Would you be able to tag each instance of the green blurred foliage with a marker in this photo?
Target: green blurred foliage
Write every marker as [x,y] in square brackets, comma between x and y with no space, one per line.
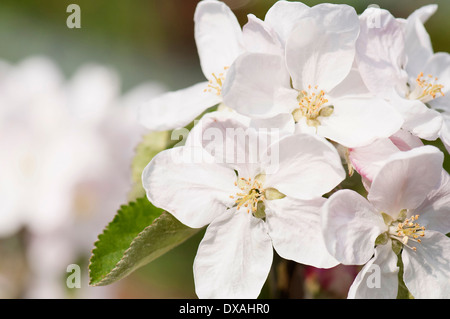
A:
[150,40]
[146,39]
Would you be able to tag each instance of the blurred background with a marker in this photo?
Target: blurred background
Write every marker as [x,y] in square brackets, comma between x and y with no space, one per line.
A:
[57,82]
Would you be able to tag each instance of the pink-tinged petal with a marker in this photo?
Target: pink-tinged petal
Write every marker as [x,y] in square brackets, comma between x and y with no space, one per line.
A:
[357,122]
[405,141]
[303,166]
[406,179]
[379,277]
[426,270]
[368,160]
[380,51]
[218,36]
[258,86]
[194,192]
[321,49]
[295,229]
[234,257]
[350,226]
[178,108]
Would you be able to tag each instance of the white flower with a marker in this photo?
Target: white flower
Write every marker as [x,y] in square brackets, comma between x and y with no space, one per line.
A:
[218,36]
[314,81]
[406,214]
[397,63]
[247,209]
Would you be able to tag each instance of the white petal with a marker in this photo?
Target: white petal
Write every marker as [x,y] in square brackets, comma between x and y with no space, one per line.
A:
[255,84]
[195,193]
[303,166]
[295,230]
[418,47]
[233,143]
[427,271]
[321,49]
[424,13]
[284,15]
[350,226]
[358,121]
[418,118]
[177,109]
[406,179]
[418,43]
[379,277]
[380,51]
[234,257]
[218,36]
[284,122]
[444,134]
[435,210]
[260,37]
[439,67]
[352,85]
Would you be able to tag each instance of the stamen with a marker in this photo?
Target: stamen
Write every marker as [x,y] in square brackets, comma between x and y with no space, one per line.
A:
[252,193]
[216,84]
[409,230]
[427,88]
[311,106]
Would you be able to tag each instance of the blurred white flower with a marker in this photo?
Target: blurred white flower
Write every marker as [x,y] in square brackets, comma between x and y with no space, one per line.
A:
[65,159]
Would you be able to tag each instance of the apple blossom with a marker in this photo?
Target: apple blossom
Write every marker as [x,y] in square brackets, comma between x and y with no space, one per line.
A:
[315,81]
[407,201]
[397,63]
[247,209]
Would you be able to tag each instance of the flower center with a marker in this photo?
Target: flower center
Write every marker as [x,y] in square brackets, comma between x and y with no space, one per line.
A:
[215,84]
[311,106]
[426,88]
[250,194]
[401,231]
[407,230]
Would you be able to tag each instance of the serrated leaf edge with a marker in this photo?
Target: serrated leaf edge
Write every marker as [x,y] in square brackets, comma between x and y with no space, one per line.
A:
[107,278]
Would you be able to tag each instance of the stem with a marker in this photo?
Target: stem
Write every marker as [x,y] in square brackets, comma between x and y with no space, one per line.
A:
[286,279]
[403,292]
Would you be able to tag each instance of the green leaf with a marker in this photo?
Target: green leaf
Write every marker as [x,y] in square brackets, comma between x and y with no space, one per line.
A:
[151,144]
[138,234]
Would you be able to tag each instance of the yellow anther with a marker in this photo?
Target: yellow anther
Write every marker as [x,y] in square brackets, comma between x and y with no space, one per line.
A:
[215,84]
[311,106]
[427,87]
[252,193]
